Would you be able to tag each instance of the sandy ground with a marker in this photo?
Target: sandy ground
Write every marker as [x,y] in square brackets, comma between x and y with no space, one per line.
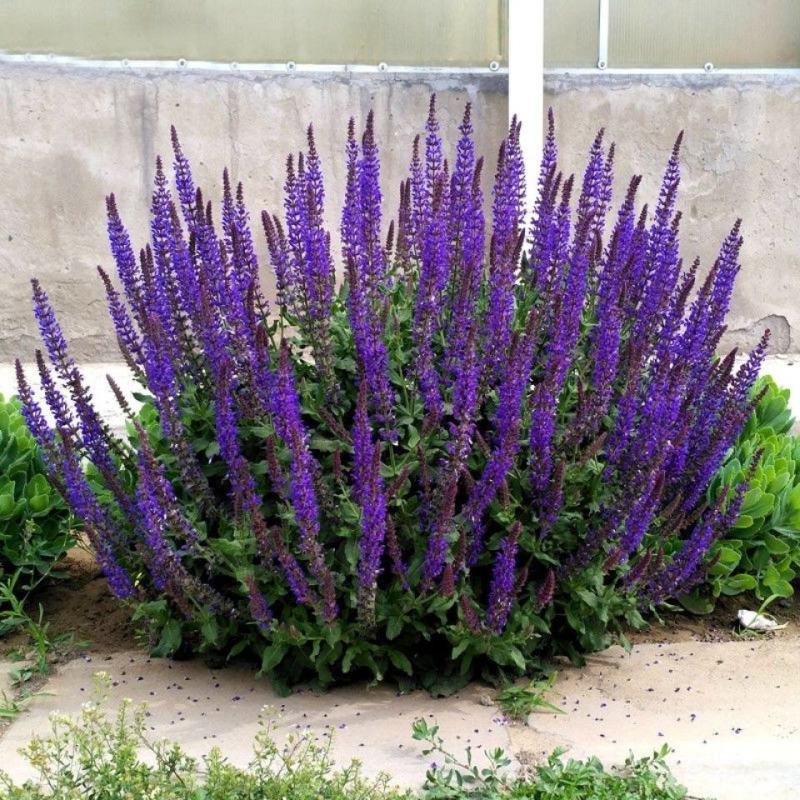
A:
[730,707]
[203,708]
[730,710]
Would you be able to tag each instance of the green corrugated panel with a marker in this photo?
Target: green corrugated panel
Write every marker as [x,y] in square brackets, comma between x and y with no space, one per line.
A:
[691,33]
[402,32]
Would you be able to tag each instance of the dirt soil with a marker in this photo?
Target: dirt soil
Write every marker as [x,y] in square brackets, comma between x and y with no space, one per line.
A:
[720,625]
[81,604]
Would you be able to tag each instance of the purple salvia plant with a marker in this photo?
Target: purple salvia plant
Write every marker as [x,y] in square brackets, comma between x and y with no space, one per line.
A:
[560,381]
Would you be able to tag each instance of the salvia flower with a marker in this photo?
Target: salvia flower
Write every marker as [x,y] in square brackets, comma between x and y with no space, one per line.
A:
[501,590]
[369,492]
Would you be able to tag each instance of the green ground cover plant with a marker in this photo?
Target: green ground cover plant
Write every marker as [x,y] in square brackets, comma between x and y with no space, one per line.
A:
[34,520]
[761,551]
[519,700]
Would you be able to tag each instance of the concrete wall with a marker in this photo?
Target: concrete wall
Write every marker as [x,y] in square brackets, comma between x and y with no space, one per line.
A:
[68,136]
[741,158]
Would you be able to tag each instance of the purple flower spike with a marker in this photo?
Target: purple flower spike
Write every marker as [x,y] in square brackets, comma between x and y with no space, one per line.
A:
[291,429]
[368,491]
[501,590]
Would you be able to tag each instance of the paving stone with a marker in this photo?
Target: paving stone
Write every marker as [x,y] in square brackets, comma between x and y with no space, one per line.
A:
[203,708]
[730,710]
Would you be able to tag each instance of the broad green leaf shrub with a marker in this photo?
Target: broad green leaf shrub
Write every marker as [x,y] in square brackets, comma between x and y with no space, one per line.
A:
[761,552]
[489,442]
[34,520]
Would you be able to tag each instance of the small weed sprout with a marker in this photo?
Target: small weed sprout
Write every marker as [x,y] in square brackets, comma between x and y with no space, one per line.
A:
[518,701]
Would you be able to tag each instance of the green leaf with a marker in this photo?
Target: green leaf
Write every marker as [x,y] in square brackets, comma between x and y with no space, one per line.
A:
[210,630]
[517,658]
[229,548]
[170,641]
[775,545]
[272,656]
[38,503]
[323,445]
[7,506]
[696,604]
[736,584]
[239,647]
[459,649]
[778,585]
[757,503]
[393,627]
[400,661]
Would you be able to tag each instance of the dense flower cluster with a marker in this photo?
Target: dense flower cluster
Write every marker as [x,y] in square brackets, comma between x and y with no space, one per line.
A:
[492,439]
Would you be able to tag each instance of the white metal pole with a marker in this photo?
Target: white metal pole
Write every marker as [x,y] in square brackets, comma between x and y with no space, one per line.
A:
[526,76]
[602,36]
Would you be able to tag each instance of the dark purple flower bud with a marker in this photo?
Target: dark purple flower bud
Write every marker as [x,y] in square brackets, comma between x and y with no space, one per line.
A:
[124,258]
[508,212]
[507,421]
[369,493]
[57,403]
[552,500]
[259,608]
[293,572]
[127,336]
[447,586]
[41,431]
[395,554]
[101,529]
[546,591]
[292,431]
[470,615]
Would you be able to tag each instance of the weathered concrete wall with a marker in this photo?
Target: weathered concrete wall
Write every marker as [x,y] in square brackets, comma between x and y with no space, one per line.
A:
[741,158]
[70,136]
